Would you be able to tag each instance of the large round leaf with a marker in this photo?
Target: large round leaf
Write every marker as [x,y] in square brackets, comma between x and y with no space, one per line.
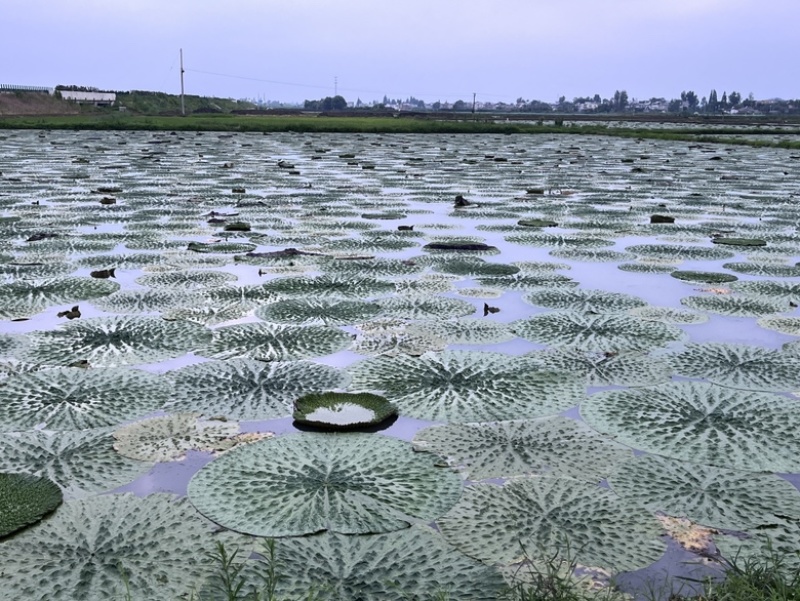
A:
[80,463]
[273,342]
[465,331]
[111,341]
[597,333]
[306,483]
[425,307]
[539,517]
[24,500]
[738,306]
[583,301]
[186,280]
[71,398]
[313,311]
[606,369]
[169,437]
[111,547]
[26,297]
[246,389]
[702,423]
[328,286]
[468,386]
[711,496]
[416,563]
[552,445]
[739,366]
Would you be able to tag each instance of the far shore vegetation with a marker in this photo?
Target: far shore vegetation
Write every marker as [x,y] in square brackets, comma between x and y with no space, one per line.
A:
[784,137]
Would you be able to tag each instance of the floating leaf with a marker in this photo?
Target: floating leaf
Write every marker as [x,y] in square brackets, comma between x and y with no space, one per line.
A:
[313,311]
[26,297]
[467,386]
[738,366]
[466,331]
[788,292]
[342,410]
[329,286]
[111,547]
[590,255]
[186,280]
[771,270]
[710,496]
[425,307]
[143,301]
[668,315]
[535,517]
[704,277]
[273,342]
[597,333]
[527,281]
[111,341]
[680,253]
[24,500]
[206,314]
[702,423]
[737,306]
[80,463]
[646,267]
[307,483]
[605,369]
[391,336]
[778,540]
[551,445]
[584,301]
[785,325]
[168,438]
[245,389]
[415,563]
[70,398]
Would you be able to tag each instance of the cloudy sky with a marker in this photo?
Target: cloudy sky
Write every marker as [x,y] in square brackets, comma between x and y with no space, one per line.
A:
[290,50]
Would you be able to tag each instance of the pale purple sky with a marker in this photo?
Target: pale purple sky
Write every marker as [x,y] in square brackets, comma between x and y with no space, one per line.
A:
[291,50]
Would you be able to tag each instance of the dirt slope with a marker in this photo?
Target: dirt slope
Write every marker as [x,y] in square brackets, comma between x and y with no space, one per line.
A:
[20,103]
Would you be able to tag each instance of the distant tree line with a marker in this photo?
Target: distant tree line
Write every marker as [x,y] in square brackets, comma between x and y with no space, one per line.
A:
[335,103]
[688,103]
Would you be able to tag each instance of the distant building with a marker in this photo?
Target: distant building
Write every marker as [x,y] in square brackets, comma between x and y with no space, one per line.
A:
[95,98]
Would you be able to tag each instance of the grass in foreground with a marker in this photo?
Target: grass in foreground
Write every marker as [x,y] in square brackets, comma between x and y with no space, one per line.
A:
[752,579]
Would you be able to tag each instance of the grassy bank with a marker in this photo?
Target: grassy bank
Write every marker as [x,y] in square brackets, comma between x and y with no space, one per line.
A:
[318,124]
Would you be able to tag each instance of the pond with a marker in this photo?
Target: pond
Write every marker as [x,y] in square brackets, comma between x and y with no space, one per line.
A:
[583,379]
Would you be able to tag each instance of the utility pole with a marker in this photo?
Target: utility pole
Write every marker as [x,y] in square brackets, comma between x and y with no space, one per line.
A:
[183,106]
[335,85]
[474,95]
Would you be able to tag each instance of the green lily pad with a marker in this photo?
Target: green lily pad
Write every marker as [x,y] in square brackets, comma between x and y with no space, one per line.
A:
[245,389]
[70,398]
[415,563]
[274,342]
[111,547]
[168,438]
[345,482]
[739,241]
[785,325]
[329,286]
[606,369]
[737,306]
[112,341]
[425,307]
[704,277]
[738,366]
[710,496]
[534,517]
[342,410]
[582,300]
[323,311]
[702,423]
[79,462]
[467,386]
[596,333]
[24,298]
[548,446]
[24,500]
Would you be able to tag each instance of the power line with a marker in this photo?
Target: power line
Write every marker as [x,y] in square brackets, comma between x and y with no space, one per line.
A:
[355,90]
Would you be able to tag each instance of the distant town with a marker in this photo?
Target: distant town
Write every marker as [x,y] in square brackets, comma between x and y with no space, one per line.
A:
[687,103]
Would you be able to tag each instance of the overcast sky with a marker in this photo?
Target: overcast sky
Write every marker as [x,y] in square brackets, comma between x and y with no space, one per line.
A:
[290,50]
